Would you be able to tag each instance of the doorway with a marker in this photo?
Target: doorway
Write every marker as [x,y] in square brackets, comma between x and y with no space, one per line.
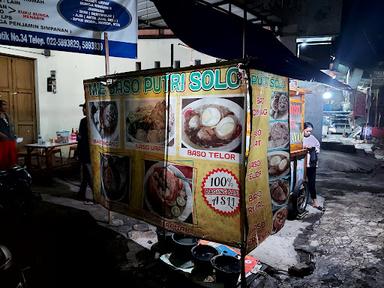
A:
[17,87]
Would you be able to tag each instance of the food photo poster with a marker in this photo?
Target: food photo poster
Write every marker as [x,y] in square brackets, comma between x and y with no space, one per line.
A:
[179,137]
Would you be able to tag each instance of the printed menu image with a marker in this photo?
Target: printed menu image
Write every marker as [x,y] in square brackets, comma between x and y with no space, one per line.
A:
[115,174]
[279,191]
[166,148]
[278,163]
[146,121]
[295,123]
[168,190]
[279,105]
[278,135]
[279,218]
[212,123]
[104,117]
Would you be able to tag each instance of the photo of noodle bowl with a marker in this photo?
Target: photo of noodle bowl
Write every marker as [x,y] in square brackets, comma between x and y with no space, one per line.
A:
[168,192]
[278,135]
[278,163]
[279,105]
[279,219]
[147,122]
[279,191]
[212,124]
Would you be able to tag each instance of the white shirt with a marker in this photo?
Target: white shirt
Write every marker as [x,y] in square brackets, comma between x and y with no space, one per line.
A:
[309,142]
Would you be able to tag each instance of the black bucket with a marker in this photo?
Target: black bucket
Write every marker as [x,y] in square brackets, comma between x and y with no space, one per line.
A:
[164,241]
[202,255]
[228,270]
[182,245]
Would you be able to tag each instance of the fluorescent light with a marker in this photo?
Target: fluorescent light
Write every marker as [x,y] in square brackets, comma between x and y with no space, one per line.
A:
[327,95]
[314,39]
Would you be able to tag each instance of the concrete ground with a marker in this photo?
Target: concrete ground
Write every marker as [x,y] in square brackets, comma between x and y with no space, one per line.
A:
[72,244]
[345,246]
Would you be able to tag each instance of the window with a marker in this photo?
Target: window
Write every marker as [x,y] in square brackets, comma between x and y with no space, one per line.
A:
[157,64]
[138,66]
[197,62]
[177,64]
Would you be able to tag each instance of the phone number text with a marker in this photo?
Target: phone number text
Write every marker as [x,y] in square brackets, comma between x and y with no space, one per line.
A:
[76,44]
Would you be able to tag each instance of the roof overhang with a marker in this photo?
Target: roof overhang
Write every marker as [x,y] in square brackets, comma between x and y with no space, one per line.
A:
[227,36]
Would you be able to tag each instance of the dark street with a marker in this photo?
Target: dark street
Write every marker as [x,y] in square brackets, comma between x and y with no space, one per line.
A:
[69,244]
[345,246]
[194,143]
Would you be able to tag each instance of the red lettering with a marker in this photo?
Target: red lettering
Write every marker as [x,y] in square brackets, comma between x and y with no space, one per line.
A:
[252,240]
[196,153]
[260,112]
[295,110]
[254,175]
[251,210]
[225,156]
[255,164]
[257,143]
[292,123]
[259,100]
[254,196]
[257,133]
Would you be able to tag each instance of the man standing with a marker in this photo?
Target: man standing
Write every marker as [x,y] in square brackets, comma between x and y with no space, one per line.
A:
[84,155]
[7,139]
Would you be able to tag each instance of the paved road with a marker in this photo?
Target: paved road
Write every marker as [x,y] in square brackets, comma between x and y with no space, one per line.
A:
[346,244]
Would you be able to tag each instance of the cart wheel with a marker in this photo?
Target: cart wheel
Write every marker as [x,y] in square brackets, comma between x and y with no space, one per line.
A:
[298,201]
[302,198]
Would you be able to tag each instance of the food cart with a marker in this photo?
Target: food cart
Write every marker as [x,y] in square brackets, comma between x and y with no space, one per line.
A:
[299,194]
[169,147]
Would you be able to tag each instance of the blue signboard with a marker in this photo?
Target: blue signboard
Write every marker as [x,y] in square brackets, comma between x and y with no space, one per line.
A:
[71,25]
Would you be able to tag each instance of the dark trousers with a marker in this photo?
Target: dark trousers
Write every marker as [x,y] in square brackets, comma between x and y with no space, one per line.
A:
[311,175]
[85,179]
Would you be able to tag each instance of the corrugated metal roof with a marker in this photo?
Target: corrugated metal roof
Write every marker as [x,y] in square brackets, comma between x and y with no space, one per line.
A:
[149,17]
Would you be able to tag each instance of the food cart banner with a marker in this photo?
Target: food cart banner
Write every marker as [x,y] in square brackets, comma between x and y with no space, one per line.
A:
[166,148]
[71,25]
[296,116]
[267,175]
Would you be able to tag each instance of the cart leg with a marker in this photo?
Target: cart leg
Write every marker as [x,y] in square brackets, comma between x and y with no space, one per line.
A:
[109,217]
[242,259]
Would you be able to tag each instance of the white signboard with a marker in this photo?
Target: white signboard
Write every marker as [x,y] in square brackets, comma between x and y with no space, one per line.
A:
[71,25]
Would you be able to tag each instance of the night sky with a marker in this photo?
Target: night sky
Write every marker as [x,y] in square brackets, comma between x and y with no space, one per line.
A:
[361,43]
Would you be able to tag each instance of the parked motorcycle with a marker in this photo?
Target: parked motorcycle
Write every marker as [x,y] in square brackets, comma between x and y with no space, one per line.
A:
[16,196]
[11,276]
[16,203]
